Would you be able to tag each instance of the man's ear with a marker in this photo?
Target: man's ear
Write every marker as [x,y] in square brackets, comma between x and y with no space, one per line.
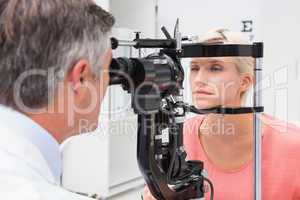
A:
[246,82]
[79,73]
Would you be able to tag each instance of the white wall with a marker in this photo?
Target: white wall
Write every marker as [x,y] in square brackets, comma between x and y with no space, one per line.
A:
[138,15]
[195,16]
[198,17]
[103,3]
[281,33]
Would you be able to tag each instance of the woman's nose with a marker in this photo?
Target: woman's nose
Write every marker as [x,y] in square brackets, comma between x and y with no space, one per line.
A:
[201,77]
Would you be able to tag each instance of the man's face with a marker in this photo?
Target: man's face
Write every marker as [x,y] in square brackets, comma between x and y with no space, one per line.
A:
[82,94]
[103,80]
[97,85]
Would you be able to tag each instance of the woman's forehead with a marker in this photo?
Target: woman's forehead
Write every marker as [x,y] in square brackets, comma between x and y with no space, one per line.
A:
[204,61]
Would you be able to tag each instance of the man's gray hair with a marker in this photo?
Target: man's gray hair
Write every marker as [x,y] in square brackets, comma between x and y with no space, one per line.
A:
[48,36]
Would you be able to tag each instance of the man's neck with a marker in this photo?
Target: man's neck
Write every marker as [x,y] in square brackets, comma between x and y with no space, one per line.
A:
[53,123]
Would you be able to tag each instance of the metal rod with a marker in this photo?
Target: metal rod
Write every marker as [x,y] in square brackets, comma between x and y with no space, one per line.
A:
[126,43]
[156,24]
[257,101]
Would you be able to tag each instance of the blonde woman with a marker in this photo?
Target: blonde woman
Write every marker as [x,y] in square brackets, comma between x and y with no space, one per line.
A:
[225,142]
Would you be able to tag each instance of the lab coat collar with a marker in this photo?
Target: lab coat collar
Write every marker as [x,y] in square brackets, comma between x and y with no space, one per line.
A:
[26,128]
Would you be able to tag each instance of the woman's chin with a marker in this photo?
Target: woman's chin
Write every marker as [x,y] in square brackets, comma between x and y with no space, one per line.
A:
[205,105]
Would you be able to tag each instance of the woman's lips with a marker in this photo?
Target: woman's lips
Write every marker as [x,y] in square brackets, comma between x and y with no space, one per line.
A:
[202,92]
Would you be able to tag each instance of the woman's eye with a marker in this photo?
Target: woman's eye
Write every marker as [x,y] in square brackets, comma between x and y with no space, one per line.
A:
[216,68]
[194,69]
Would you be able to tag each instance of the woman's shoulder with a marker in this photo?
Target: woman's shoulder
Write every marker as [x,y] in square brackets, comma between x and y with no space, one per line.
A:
[191,140]
[193,120]
[192,124]
[281,135]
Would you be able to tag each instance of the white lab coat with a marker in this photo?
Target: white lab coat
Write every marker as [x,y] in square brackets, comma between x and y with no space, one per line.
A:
[26,172]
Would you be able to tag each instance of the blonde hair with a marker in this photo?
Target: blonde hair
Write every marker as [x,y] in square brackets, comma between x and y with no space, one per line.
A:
[244,65]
